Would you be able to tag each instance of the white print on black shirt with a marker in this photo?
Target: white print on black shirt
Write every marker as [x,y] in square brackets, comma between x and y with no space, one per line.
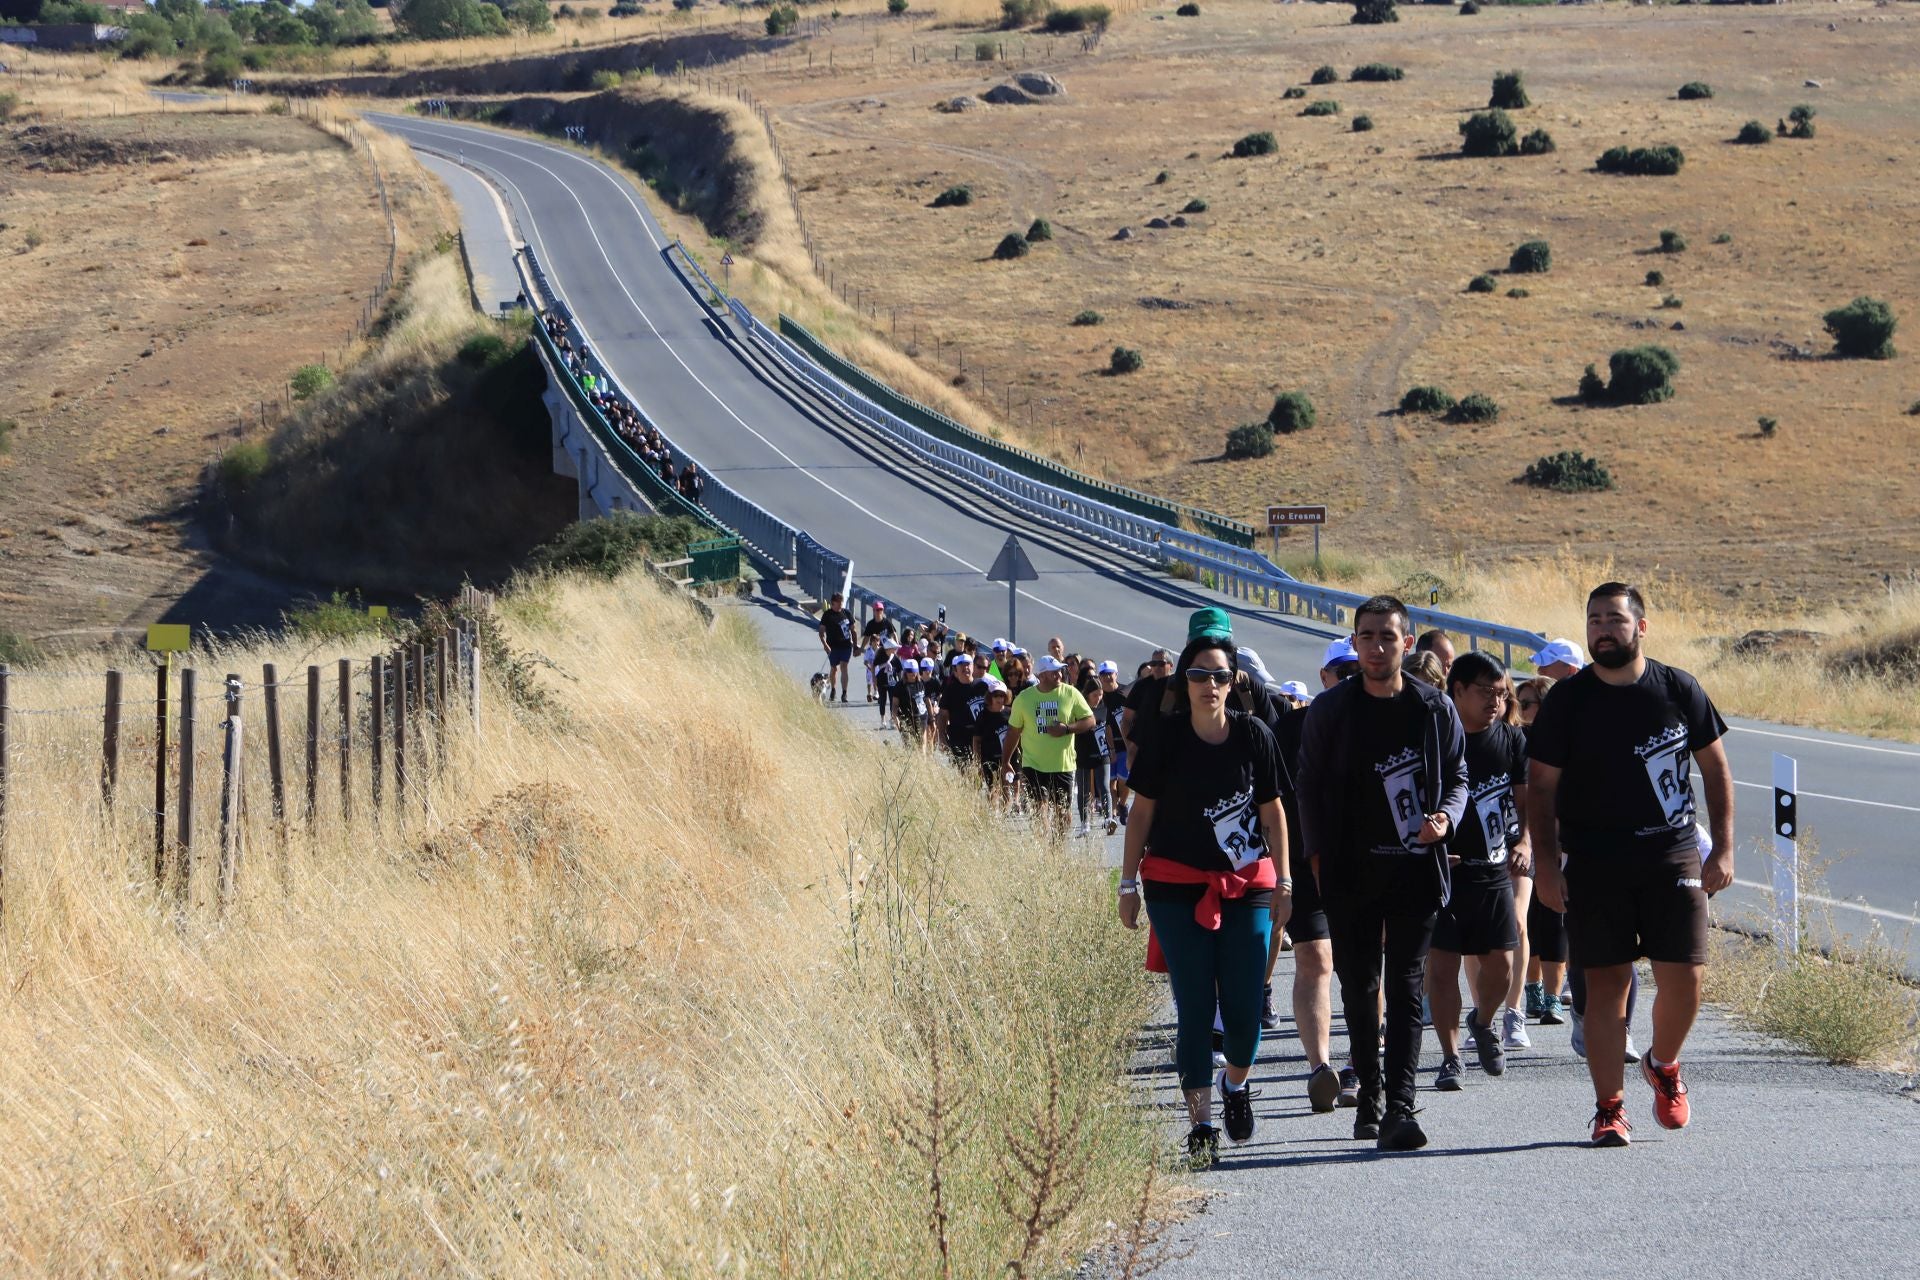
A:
[1398,777]
[1236,828]
[976,705]
[1493,809]
[1669,774]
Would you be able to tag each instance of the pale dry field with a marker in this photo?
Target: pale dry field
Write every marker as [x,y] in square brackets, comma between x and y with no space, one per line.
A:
[1338,268]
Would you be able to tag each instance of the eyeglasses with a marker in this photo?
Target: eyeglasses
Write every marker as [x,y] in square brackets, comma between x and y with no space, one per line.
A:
[1528,702]
[1200,675]
[1497,692]
[1159,662]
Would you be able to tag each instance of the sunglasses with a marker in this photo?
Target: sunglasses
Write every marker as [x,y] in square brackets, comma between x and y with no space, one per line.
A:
[1529,702]
[1201,675]
[1159,662]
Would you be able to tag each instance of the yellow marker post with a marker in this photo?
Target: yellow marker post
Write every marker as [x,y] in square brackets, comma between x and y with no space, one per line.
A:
[166,638]
[378,612]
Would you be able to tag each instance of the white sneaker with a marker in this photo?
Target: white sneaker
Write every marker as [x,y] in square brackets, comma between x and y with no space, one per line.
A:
[1633,1054]
[1513,1030]
[1082,831]
[1579,1035]
[1219,1060]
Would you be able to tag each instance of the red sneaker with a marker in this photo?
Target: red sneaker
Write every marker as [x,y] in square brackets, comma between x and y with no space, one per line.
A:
[1610,1127]
[1669,1094]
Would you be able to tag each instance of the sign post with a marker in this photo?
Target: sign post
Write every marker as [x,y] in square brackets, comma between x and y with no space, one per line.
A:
[726,270]
[1279,518]
[1786,854]
[1012,567]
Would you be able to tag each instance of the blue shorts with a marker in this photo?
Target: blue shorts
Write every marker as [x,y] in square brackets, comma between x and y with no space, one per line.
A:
[839,657]
[1120,766]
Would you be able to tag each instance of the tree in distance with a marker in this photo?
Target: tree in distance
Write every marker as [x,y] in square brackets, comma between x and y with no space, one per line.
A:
[1426,400]
[1641,375]
[1767,426]
[1324,75]
[1659,161]
[781,19]
[1040,230]
[1363,124]
[896,7]
[1481,284]
[1292,411]
[1568,471]
[1324,107]
[1015,14]
[1012,245]
[1294,91]
[1188,10]
[1262,143]
[1537,143]
[1672,241]
[953,197]
[1474,408]
[1195,205]
[1125,360]
[1694,91]
[1086,17]
[1531,258]
[1656,278]
[1377,72]
[1250,440]
[1863,329]
[310,380]
[1753,134]
[1373,13]
[1488,133]
[1163,177]
[1088,318]
[1509,91]
[1468,8]
[1802,117]
[1519,293]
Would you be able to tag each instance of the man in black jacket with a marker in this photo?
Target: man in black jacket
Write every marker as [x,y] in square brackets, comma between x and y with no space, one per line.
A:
[1383,784]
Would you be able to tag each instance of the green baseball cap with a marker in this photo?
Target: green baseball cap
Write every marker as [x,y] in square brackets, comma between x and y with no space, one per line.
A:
[1209,622]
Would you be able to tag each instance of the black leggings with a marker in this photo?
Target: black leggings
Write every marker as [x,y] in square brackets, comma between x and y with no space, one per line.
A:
[1546,933]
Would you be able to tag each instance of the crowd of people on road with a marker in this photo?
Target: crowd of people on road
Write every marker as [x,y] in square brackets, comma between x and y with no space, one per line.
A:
[624,416]
[1421,820]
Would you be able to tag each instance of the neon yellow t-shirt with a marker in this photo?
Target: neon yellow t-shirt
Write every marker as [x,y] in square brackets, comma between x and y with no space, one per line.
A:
[1033,711]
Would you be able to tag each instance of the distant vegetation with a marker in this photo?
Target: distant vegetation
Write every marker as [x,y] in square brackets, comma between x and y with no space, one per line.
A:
[1292,411]
[1324,75]
[953,196]
[1753,134]
[1012,245]
[1250,440]
[1531,258]
[1188,10]
[1195,205]
[1426,400]
[1640,375]
[1374,12]
[1863,329]
[1363,124]
[1324,107]
[1672,241]
[1568,471]
[1802,118]
[1088,318]
[1482,284]
[1641,161]
[1509,91]
[1125,360]
[1040,230]
[1377,71]
[1488,133]
[1256,144]
[1474,408]
[1694,90]
[1086,17]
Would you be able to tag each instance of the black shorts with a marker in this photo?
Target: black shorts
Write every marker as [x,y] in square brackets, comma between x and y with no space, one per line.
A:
[839,657]
[1047,788]
[1308,923]
[1479,918]
[1546,932]
[1624,904]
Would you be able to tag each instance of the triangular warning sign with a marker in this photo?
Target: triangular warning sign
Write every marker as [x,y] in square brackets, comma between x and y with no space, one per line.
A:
[1012,565]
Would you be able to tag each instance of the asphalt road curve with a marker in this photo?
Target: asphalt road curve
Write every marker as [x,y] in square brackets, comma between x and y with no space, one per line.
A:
[602,251]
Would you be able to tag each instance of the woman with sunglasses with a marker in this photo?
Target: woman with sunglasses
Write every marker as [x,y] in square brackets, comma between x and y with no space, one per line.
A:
[1206,786]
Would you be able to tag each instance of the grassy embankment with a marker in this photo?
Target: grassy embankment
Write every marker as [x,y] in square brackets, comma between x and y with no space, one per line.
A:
[657,987]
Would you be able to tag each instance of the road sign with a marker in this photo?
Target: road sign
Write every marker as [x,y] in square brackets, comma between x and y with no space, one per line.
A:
[169,637]
[726,269]
[1786,854]
[1012,567]
[1287,517]
[378,612]
[726,260]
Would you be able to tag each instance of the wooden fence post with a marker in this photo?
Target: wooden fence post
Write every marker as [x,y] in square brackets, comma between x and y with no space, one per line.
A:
[442,651]
[276,775]
[346,739]
[110,742]
[230,796]
[184,841]
[160,778]
[379,702]
[400,732]
[313,744]
[6,725]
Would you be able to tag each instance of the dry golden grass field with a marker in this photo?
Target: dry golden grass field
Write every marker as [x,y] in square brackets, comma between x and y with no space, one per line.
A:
[1339,266]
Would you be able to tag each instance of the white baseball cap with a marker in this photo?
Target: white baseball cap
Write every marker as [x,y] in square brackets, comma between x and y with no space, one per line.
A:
[1559,649]
[1000,646]
[1018,652]
[1294,689]
[1106,669]
[1340,650]
[1047,662]
[926,664]
[962,658]
[995,686]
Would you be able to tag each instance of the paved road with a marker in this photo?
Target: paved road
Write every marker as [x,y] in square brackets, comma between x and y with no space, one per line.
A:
[602,251]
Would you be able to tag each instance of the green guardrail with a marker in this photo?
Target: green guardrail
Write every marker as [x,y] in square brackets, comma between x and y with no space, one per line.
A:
[714,560]
[1031,465]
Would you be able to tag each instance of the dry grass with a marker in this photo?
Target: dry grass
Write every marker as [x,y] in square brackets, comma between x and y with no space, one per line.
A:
[651,989]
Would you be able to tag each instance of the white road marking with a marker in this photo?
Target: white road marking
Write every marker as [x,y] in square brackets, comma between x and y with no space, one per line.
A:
[1821,795]
[1882,913]
[466,140]
[1827,742]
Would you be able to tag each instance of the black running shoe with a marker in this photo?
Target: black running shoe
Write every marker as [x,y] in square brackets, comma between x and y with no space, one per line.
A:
[1203,1147]
[1400,1131]
[1236,1110]
[1486,1043]
[1366,1120]
[1349,1087]
[1323,1088]
[1269,1020]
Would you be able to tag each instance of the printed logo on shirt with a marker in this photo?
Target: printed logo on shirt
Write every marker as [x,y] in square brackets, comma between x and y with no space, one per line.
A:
[1669,774]
[1684,883]
[976,705]
[1236,828]
[1493,809]
[1399,777]
[1046,715]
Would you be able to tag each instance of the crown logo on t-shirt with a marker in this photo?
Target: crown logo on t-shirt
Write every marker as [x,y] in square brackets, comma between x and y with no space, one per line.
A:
[1397,761]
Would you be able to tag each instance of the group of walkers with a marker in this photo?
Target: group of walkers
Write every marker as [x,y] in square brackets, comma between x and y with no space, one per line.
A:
[1420,818]
[623,416]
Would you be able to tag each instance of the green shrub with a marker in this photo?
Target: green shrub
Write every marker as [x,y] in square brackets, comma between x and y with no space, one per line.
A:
[1324,75]
[1863,329]
[601,81]
[781,19]
[1723,237]
[342,617]
[1324,107]
[1593,387]
[1767,425]
[1378,72]
[896,7]
[1672,241]
[1641,375]
[1294,91]
[1660,161]
[1488,133]
[1086,17]
[1088,318]
[1040,230]
[1753,134]
[1913,410]
[1363,124]
[1161,178]
[484,350]
[1671,302]
[310,380]
[1188,10]
[953,197]
[1022,13]
[1537,143]
[1568,471]
[1426,400]
[1474,408]
[1292,411]
[1262,143]
[1012,245]
[1519,293]
[1468,8]
[1802,117]
[1656,278]
[1125,360]
[1531,258]
[1250,440]
[242,465]
[607,546]
[985,50]
[1509,91]
[1374,13]
[9,103]
[18,650]
[1694,90]
[1481,284]
[7,427]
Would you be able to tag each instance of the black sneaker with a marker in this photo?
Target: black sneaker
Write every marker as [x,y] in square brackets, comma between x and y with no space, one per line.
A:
[1236,1110]
[1366,1120]
[1450,1078]
[1203,1147]
[1269,1020]
[1486,1043]
[1349,1087]
[1400,1131]
[1323,1088]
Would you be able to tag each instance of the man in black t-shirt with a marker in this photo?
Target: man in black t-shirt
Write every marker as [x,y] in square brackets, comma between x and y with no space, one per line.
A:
[836,637]
[1613,750]
[962,699]
[1479,918]
[1383,787]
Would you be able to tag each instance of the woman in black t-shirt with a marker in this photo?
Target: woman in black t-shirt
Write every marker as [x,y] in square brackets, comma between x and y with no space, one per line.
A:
[1207,788]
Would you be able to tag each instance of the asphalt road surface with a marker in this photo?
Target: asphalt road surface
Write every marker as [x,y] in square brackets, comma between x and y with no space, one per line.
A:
[603,253]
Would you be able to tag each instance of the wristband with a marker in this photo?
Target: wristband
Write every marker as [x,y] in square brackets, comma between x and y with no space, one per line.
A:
[1128,887]
[1284,882]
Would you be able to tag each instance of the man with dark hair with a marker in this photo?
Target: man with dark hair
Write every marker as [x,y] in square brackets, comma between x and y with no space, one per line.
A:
[1612,754]
[1479,918]
[836,637]
[1436,643]
[1383,785]
[963,697]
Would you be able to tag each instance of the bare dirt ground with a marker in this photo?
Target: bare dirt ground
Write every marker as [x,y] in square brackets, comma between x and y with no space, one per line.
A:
[1338,267]
[166,273]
